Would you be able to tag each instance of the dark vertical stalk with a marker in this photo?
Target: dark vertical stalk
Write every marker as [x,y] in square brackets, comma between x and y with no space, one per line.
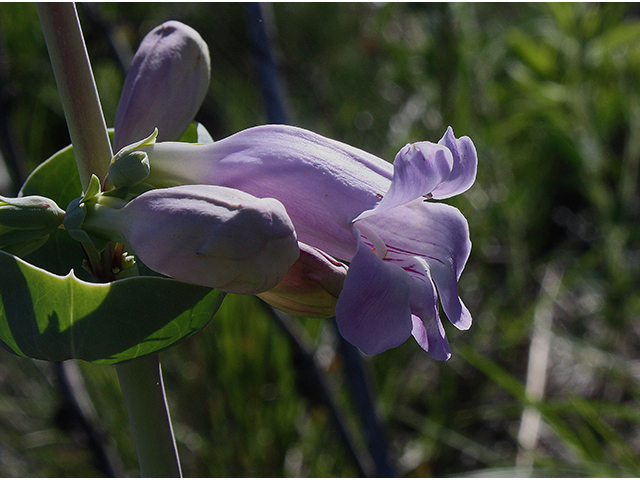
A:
[77,412]
[362,397]
[359,388]
[313,386]
[265,66]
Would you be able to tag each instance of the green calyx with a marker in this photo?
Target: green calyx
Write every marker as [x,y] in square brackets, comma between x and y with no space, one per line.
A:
[27,222]
[93,218]
[130,167]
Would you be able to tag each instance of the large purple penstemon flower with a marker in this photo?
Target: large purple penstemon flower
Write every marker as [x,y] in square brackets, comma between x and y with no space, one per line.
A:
[164,88]
[404,249]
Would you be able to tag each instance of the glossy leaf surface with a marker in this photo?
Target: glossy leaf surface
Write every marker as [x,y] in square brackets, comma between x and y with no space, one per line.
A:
[50,310]
[55,318]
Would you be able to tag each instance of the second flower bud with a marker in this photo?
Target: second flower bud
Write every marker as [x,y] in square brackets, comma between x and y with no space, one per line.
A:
[207,235]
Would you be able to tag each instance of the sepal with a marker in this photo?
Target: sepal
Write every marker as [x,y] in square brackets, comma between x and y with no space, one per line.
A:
[81,209]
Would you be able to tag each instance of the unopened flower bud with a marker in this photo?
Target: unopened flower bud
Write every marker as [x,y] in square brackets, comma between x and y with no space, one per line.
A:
[130,166]
[311,287]
[207,235]
[165,85]
[27,222]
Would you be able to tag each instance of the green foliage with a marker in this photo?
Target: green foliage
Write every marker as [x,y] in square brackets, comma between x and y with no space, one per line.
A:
[57,178]
[54,318]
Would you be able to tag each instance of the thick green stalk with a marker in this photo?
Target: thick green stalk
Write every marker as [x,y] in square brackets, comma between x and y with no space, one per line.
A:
[144,397]
[140,379]
[77,89]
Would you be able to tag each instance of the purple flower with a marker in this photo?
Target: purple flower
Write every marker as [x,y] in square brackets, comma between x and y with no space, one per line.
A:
[404,249]
[165,85]
[203,234]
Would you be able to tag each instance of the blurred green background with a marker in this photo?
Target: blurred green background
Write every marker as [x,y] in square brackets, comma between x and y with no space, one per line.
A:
[546,382]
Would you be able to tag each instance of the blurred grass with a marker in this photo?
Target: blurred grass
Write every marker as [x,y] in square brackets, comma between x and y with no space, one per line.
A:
[549,93]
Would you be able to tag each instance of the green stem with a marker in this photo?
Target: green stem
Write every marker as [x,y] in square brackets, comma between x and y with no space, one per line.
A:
[77,88]
[144,397]
[140,379]
[105,222]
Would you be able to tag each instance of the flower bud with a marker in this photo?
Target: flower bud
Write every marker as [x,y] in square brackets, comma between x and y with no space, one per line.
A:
[27,222]
[165,85]
[212,236]
[130,166]
[311,287]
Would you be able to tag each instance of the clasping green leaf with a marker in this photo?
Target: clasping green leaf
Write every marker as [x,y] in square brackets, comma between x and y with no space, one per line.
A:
[52,317]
